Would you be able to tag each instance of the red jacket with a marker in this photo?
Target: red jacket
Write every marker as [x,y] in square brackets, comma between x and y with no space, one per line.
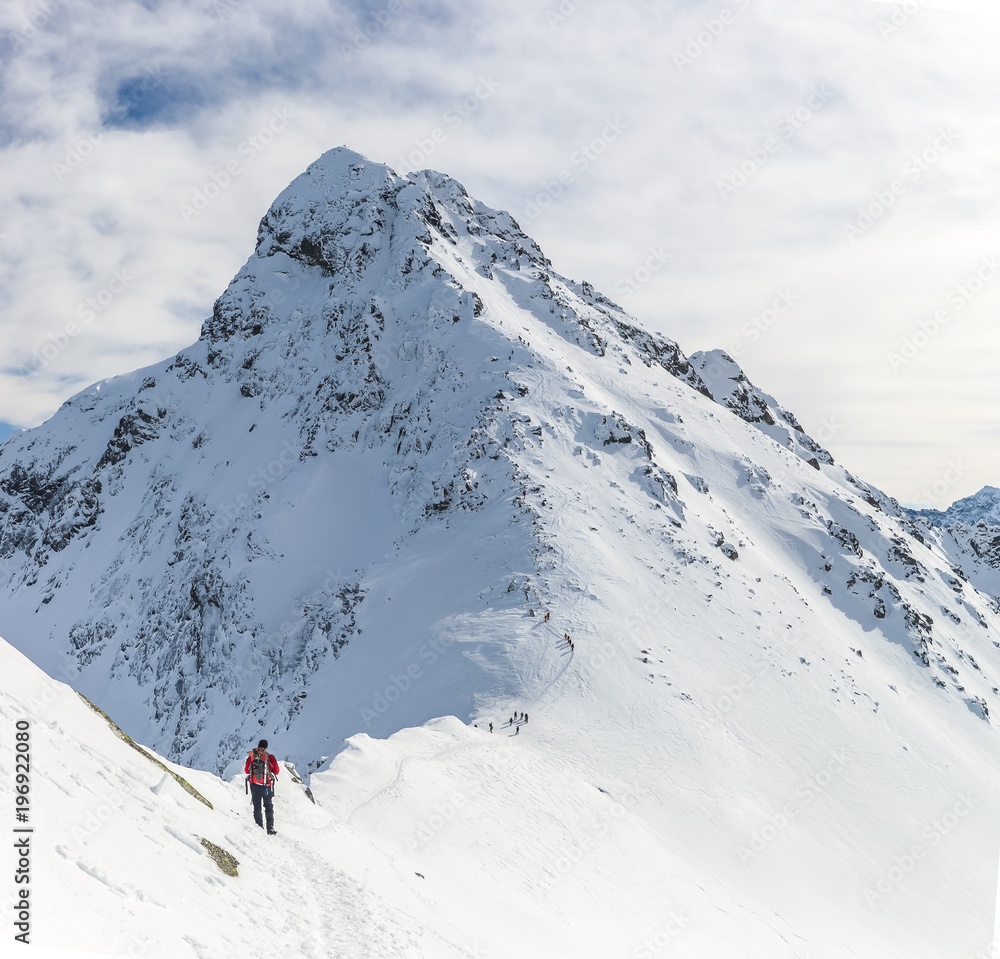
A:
[272,765]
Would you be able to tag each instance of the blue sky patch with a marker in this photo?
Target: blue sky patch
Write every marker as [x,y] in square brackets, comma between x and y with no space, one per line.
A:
[152,99]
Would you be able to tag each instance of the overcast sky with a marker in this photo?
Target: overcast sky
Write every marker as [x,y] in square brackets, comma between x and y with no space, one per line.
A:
[812,186]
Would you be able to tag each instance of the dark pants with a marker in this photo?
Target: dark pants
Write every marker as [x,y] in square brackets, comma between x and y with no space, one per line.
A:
[262,793]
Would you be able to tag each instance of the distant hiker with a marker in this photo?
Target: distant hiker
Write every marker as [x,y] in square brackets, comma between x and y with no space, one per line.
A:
[525,717]
[517,730]
[261,768]
[491,727]
[531,612]
[546,617]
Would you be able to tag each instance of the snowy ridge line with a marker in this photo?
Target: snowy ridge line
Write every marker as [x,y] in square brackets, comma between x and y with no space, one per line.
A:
[183,783]
[399,431]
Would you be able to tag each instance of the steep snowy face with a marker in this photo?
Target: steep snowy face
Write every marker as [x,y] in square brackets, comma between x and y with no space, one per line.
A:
[728,385]
[190,528]
[399,431]
[403,460]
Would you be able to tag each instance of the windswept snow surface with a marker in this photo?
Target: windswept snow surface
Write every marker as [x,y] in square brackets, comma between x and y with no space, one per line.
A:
[399,436]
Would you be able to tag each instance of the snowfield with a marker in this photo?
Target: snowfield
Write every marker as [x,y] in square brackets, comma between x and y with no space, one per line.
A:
[450,841]
[339,520]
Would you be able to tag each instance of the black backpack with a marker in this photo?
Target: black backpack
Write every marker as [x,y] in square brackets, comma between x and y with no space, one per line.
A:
[258,765]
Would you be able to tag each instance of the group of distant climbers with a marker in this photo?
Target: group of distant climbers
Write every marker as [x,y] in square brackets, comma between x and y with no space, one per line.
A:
[261,767]
[516,720]
[565,636]
[519,718]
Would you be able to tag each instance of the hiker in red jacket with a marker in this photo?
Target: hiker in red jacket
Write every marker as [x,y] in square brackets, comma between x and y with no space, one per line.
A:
[261,768]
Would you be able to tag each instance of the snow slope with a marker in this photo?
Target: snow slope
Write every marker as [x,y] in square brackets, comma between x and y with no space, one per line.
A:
[428,844]
[449,841]
[400,440]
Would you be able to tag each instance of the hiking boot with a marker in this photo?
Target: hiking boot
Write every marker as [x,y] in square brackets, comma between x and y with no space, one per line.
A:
[272,832]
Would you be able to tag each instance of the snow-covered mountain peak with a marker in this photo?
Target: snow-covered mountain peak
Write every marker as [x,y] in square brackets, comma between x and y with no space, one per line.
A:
[409,471]
[980,508]
[396,377]
[969,530]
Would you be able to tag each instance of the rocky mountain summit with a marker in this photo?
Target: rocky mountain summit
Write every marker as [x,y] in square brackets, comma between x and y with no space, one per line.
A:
[405,463]
[371,466]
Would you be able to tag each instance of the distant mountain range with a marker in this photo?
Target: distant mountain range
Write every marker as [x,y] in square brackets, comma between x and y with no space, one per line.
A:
[982,507]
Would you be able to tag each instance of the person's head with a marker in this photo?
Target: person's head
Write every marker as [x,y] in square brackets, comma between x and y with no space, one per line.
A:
[262,744]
